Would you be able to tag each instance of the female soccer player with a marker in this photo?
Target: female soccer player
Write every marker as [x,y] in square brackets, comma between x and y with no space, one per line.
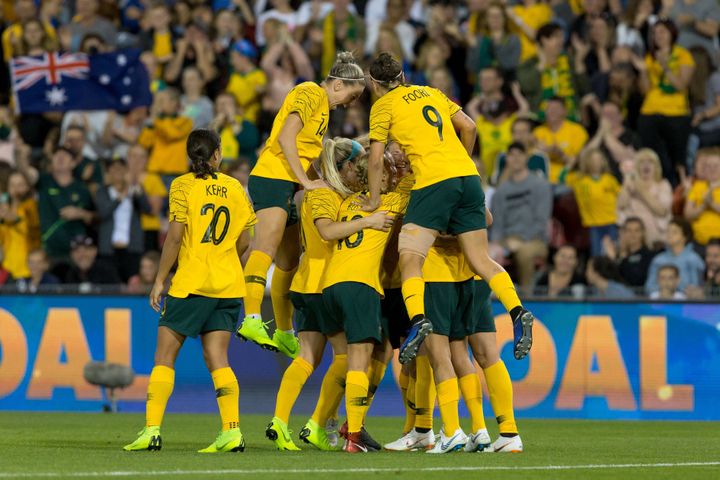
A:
[295,142]
[320,230]
[210,214]
[447,196]
[351,295]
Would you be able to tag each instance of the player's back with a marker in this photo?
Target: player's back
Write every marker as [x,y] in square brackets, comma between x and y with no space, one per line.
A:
[358,257]
[215,211]
[419,119]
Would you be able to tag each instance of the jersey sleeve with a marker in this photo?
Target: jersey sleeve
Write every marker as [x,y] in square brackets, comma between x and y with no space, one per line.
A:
[406,184]
[380,119]
[178,201]
[247,204]
[307,100]
[395,202]
[323,204]
[452,106]
[696,194]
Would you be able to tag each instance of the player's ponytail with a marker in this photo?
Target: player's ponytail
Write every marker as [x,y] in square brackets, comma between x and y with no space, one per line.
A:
[335,153]
[201,146]
[346,69]
[386,71]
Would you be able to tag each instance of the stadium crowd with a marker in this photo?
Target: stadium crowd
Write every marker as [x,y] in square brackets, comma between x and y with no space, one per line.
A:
[598,128]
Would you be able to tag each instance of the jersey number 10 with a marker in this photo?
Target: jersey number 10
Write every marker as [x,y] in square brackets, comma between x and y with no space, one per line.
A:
[211,232]
[346,241]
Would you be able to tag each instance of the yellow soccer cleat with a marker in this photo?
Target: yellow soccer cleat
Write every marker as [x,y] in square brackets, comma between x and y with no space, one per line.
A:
[254,330]
[278,432]
[287,343]
[148,439]
[316,436]
[226,441]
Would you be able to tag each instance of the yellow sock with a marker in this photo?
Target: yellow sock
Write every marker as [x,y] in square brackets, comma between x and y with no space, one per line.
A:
[413,292]
[356,393]
[472,393]
[282,306]
[331,391]
[160,387]
[227,392]
[255,279]
[376,373]
[425,393]
[501,396]
[503,288]
[292,383]
[448,397]
[410,410]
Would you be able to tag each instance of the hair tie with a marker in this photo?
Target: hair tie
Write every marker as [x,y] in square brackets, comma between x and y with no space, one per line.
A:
[356,148]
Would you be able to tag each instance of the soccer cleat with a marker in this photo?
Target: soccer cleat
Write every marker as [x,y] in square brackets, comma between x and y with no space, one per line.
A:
[419,330]
[331,428]
[478,441]
[522,331]
[318,437]
[506,445]
[355,444]
[255,330]
[278,432]
[226,441]
[287,343]
[412,441]
[367,440]
[148,439]
[445,444]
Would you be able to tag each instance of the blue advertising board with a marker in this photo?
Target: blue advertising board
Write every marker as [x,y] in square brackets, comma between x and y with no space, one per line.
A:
[589,360]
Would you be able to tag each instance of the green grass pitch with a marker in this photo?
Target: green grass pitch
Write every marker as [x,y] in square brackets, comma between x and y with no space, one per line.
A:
[63,445]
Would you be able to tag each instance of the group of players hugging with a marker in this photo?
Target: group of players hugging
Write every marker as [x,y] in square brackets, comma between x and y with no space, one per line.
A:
[379,243]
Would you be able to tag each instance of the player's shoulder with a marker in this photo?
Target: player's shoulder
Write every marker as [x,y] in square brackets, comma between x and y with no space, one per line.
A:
[323,195]
[309,88]
[183,182]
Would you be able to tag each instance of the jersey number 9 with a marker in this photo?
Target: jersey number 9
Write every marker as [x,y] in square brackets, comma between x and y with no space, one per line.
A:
[346,240]
[435,122]
[211,232]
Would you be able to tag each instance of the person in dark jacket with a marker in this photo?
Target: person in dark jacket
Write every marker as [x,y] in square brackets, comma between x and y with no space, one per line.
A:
[86,267]
[119,206]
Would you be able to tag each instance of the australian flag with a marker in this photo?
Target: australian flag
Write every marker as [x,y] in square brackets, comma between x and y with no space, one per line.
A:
[75,81]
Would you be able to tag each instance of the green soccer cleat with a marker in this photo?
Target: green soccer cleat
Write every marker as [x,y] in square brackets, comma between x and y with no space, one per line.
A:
[316,436]
[255,330]
[278,432]
[287,343]
[226,441]
[148,439]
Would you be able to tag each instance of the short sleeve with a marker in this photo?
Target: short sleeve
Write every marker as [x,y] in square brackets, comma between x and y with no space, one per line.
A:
[380,120]
[395,202]
[452,106]
[307,101]
[178,202]
[323,204]
[406,184]
[684,58]
[252,218]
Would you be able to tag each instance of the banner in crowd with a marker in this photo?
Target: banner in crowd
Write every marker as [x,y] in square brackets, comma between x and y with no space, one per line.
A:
[76,81]
[589,360]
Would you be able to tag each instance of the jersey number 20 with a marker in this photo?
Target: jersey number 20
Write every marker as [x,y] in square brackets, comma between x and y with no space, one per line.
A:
[211,232]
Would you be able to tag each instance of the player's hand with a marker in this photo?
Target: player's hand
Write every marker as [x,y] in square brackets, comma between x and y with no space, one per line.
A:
[380,221]
[314,185]
[156,296]
[368,204]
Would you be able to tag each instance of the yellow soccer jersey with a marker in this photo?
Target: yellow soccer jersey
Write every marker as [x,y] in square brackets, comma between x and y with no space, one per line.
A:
[215,212]
[596,198]
[310,102]
[446,264]
[419,119]
[358,258]
[316,204]
[247,89]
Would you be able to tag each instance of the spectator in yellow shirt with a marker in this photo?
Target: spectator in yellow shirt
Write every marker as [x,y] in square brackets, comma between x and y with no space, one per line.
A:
[13,36]
[247,82]
[561,139]
[19,225]
[165,136]
[527,18]
[703,201]
[664,123]
[596,191]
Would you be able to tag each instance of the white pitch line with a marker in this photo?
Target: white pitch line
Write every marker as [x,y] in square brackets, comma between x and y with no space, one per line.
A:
[264,471]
